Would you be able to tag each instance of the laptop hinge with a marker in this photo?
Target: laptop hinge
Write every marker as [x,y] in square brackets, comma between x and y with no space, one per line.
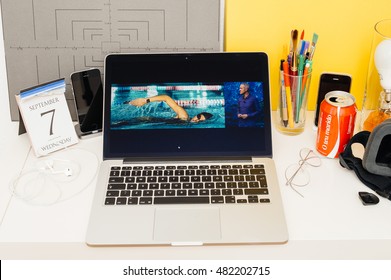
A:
[186,159]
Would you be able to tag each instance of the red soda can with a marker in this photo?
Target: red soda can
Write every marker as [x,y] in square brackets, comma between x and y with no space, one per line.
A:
[337,116]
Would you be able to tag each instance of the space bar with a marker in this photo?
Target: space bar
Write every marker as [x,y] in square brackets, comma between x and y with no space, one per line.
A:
[182,200]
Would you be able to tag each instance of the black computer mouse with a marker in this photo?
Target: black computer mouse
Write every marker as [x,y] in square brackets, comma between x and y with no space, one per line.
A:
[368,198]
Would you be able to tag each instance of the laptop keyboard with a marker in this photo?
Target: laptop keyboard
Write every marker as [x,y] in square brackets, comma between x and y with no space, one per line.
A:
[187,184]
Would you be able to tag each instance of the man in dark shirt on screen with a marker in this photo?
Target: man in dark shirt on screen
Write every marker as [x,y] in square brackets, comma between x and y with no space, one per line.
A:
[248,107]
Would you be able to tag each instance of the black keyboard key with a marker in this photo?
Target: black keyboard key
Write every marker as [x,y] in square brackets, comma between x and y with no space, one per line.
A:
[174,179]
[217,199]
[182,200]
[159,192]
[116,168]
[141,179]
[182,192]
[112,193]
[125,173]
[220,185]
[125,193]
[142,186]
[198,185]
[226,192]
[147,193]
[132,186]
[215,192]
[116,180]
[193,192]
[217,178]
[152,179]
[255,191]
[121,201]
[184,179]
[132,200]
[264,200]
[145,200]
[241,201]
[110,201]
[206,178]
[257,171]
[170,192]
[230,199]
[204,192]
[153,186]
[116,187]
[136,193]
[195,179]
[130,179]
[253,185]
[237,191]
[114,173]
[162,179]
[211,172]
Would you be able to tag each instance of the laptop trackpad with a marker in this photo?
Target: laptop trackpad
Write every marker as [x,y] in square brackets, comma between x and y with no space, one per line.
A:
[187,225]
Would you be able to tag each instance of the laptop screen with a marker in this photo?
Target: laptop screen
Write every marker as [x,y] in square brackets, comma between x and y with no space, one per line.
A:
[199,104]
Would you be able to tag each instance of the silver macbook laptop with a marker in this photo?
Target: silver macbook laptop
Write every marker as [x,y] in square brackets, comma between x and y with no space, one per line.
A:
[187,152]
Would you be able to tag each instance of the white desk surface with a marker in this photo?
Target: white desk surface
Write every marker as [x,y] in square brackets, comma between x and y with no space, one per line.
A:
[330,222]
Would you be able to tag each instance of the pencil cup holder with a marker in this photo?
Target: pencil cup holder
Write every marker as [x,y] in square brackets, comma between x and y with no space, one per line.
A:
[292,103]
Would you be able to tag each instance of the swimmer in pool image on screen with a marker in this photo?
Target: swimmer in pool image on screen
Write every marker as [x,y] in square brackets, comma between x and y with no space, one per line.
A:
[167,106]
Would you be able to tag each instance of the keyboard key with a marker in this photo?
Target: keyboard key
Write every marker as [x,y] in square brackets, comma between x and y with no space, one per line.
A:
[147,193]
[112,193]
[159,192]
[110,201]
[217,199]
[132,200]
[230,199]
[181,200]
[145,200]
[116,187]
[125,193]
[193,192]
[204,192]
[181,192]
[257,171]
[116,180]
[215,192]
[121,201]
[255,191]
[170,192]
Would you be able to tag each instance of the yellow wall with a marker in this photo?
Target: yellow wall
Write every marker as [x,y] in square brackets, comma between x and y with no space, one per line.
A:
[345,29]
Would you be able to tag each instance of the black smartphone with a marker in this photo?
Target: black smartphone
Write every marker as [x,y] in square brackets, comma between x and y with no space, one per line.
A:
[88,94]
[329,82]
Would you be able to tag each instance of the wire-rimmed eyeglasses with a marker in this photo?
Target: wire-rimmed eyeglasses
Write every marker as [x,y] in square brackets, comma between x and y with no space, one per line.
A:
[296,174]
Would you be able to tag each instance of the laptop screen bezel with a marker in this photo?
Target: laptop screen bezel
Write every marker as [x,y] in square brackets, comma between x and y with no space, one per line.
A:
[208,142]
